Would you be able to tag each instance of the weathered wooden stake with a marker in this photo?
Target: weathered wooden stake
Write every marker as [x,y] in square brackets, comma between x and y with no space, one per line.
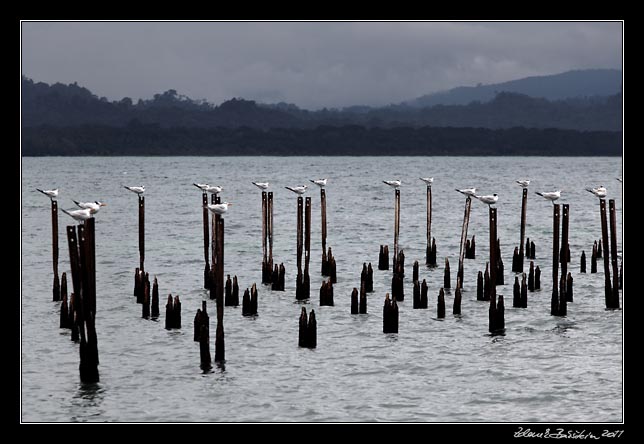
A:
[613,254]
[533,254]
[354,301]
[390,315]
[599,245]
[466,222]
[440,306]
[446,276]
[487,283]
[299,293]
[206,241]
[141,231]
[582,266]
[303,331]
[569,282]
[54,244]
[416,292]
[265,269]
[362,307]
[228,292]
[64,312]
[430,251]
[563,297]
[415,272]
[456,309]
[554,300]
[312,334]
[323,231]
[235,295]
[593,259]
[537,278]
[531,283]
[524,293]
[396,223]
[369,281]
[479,287]
[516,293]
[326,293]
[145,307]
[269,229]
[220,344]
[524,206]
[608,291]
[204,347]
[423,295]
[383,258]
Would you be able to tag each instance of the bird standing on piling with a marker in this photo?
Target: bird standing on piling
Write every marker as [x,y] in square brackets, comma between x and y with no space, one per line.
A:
[488,199]
[138,190]
[209,188]
[392,183]
[427,180]
[52,194]
[551,195]
[299,190]
[79,215]
[599,191]
[523,182]
[467,191]
[93,207]
[320,182]
[261,185]
[220,208]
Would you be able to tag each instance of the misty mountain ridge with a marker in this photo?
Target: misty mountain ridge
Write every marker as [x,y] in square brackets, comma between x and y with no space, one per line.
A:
[569,84]
[73,105]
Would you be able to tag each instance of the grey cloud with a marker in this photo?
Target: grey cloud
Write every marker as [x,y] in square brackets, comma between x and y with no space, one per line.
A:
[310,64]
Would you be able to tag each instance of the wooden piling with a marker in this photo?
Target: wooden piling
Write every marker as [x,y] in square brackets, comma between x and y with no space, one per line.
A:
[473,248]
[326,293]
[323,230]
[141,231]
[524,293]
[73,322]
[396,222]
[64,312]
[269,232]
[527,249]
[85,306]
[479,287]
[582,262]
[468,247]
[307,246]
[354,301]
[515,261]
[531,280]
[206,241]
[613,254]
[416,293]
[74,262]
[446,276]
[220,344]
[466,222]
[145,307]
[524,206]
[63,286]
[537,278]
[312,331]
[516,300]
[423,295]
[228,292]
[487,283]
[565,252]
[600,250]
[593,259]
[299,293]
[362,307]
[440,306]
[390,316]
[621,271]
[607,281]
[554,300]
[265,269]
[430,252]
[275,286]
[533,254]
[205,358]
[456,309]
[331,266]
[235,294]
[54,249]
[397,287]
[137,283]
[303,330]
[246,303]
[282,274]
[415,272]
[383,258]
[369,281]
[569,282]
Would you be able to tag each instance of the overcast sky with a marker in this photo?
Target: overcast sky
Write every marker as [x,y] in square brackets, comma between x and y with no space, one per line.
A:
[313,64]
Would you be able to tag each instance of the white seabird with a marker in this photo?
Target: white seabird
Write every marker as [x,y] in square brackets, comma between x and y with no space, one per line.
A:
[427,180]
[79,215]
[320,182]
[392,183]
[467,191]
[524,183]
[138,190]
[261,185]
[299,190]
[219,208]
[52,194]
[550,195]
[488,199]
[92,206]
[599,191]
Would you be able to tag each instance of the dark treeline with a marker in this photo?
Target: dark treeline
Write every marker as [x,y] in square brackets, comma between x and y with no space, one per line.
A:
[138,139]
[73,105]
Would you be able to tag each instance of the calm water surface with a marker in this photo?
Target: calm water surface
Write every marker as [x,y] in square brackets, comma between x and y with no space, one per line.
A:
[544,369]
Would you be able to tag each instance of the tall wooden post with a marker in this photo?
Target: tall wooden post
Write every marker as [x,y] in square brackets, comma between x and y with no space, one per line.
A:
[396,224]
[524,205]
[563,258]
[324,270]
[554,301]
[206,241]
[264,236]
[613,254]
[54,245]
[141,231]
[466,222]
[430,254]
[607,283]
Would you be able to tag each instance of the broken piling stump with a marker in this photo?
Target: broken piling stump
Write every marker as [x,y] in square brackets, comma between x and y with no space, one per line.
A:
[354,301]
[440,306]
[390,316]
